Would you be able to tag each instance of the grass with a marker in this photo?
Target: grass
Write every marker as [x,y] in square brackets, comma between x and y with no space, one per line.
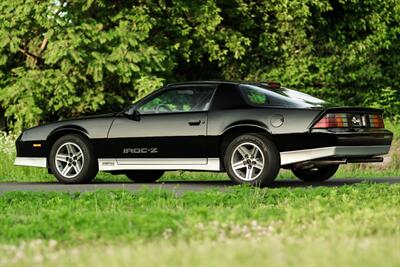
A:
[352,225]
[355,225]
[269,251]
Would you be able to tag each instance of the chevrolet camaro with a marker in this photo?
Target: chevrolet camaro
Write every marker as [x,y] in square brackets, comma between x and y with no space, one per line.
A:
[249,130]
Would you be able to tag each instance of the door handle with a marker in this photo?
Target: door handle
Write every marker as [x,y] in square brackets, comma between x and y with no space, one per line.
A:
[194,123]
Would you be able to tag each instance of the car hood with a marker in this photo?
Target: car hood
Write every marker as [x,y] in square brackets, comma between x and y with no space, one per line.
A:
[95,126]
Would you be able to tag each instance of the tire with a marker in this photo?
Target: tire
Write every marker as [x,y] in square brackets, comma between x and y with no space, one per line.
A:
[319,174]
[259,169]
[81,169]
[144,176]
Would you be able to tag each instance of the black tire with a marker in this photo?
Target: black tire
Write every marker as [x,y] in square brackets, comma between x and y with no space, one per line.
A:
[318,174]
[144,176]
[89,166]
[263,174]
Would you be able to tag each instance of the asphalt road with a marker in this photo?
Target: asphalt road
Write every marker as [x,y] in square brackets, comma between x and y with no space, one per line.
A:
[178,187]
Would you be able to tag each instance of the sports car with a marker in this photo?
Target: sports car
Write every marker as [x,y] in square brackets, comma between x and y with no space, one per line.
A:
[248,129]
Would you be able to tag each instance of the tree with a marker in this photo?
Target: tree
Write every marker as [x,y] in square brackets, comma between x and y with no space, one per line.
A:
[68,58]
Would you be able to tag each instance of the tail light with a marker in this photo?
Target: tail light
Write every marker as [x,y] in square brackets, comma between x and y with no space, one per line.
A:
[347,120]
[375,121]
[335,120]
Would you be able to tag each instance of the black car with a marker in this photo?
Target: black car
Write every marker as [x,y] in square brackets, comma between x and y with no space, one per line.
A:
[249,130]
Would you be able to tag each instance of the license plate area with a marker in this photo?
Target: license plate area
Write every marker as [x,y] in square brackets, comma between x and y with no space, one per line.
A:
[357,120]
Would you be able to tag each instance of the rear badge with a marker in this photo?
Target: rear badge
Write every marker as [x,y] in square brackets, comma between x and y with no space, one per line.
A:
[358,121]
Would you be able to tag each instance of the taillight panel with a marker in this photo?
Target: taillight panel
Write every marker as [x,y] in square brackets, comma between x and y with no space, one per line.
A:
[349,120]
[375,121]
[332,120]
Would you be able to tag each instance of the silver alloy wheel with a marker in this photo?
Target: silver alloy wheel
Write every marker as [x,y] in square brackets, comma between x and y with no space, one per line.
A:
[247,161]
[69,160]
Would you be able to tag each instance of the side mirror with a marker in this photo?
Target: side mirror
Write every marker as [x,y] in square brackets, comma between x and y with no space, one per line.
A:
[132,114]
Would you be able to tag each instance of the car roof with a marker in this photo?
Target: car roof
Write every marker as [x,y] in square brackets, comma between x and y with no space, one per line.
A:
[195,82]
[216,82]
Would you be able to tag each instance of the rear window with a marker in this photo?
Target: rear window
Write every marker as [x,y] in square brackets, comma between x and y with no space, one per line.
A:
[262,96]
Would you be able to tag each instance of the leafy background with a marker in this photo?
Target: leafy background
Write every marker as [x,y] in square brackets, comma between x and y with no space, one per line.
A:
[60,59]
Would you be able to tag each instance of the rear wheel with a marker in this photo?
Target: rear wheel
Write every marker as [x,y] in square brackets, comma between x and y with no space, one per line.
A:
[144,176]
[252,159]
[317,174]
[72,160]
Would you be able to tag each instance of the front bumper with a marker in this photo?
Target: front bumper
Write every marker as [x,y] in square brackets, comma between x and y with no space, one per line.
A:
[290,157]
[31,161]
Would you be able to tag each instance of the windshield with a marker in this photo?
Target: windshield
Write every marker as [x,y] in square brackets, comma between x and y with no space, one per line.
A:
[261,95]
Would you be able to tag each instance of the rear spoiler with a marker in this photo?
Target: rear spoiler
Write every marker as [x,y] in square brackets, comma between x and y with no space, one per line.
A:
[353,110]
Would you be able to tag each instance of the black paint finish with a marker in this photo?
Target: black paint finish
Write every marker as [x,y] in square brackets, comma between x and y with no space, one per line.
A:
[200,134]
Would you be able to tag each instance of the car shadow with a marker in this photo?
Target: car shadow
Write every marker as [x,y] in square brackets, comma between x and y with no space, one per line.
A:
[280,183]
[298,183]
[226,183]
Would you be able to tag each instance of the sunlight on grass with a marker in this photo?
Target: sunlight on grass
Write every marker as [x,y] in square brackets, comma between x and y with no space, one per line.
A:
[349,225]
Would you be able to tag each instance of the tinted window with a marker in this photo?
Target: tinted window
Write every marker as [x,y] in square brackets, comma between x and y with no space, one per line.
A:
[260,95]
[186,99]
[228,96]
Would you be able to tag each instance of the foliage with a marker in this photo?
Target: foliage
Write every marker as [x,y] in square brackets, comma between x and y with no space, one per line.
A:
[63,59]
[233,226]
[387,99]
[67,58]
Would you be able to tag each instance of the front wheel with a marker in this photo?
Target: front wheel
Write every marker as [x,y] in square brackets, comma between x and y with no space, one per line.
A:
[318,174]
[252,159]
[72,160]
[145,176]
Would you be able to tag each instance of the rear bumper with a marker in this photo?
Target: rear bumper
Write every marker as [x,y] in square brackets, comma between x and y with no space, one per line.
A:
[290,157]
[321,138]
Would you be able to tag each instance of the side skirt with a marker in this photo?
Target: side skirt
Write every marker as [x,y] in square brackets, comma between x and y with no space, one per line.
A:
[200,164]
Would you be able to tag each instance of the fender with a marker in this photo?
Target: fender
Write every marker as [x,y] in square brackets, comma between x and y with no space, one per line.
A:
[68,128]
[247,123]
[62,130]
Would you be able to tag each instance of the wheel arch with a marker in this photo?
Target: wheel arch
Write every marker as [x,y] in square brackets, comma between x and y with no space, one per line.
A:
[237,129]
[62,131]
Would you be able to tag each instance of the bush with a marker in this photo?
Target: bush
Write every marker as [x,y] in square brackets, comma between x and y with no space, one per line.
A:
[60,59]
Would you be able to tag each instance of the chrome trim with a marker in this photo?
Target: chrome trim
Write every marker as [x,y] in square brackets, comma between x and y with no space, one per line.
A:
[31,161]
[200,164]
[290,157]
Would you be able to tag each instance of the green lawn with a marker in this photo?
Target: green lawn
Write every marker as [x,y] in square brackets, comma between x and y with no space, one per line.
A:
[351,225]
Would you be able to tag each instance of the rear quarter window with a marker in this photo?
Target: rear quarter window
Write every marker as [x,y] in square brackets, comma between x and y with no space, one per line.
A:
[256,97]
[260,96]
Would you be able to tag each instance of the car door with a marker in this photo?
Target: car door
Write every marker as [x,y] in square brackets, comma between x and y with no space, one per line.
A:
[171,124]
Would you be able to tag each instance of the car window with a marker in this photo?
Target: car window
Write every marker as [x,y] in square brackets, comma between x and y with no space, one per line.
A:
[258,95]
[188,99]
[255,95]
